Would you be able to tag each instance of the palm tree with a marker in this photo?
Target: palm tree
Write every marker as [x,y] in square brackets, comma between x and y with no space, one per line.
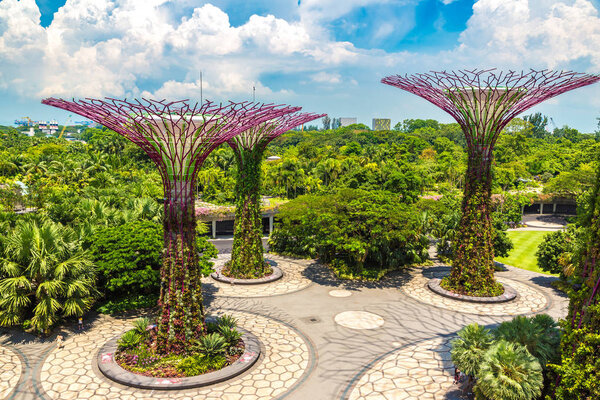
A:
[44,275]
[539,335]
[509,372]
[468,350]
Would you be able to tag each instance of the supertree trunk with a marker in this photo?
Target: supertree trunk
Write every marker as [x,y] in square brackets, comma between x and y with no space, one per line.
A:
[473,264]
[247,253]
[182,312]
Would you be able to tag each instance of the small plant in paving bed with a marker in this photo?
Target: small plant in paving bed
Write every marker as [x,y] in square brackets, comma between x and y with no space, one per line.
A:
[221,346]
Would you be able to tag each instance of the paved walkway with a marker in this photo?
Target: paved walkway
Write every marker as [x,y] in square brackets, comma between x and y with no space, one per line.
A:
[323,339]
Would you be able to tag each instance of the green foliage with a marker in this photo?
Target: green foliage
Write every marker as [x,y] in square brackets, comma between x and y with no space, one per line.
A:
[468,350]
[227,321]
[358,233]
[200,364]
[212,344]
[129,340]
[128,303]
[128,257]
[140,325]
[539,335]
[554,253]
[231,335]
[44,275]
[509,372]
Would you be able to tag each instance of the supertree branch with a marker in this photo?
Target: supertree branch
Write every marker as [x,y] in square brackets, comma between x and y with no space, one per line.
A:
[483,102]
[177,136]
[249,146]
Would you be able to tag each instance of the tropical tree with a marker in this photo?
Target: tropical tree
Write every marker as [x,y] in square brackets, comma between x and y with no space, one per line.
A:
[509,372]
[468,350]
[44,275]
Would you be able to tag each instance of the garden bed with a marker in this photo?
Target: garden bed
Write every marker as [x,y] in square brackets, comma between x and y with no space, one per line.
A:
[508,295]
[274,273]
[206,364]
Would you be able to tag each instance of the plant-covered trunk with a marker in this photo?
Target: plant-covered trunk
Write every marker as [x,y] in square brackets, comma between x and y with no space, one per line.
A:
[247,259]
[182,312]
[473,264]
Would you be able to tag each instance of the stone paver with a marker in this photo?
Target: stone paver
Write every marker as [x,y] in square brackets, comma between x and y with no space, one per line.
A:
[420,371]
[10,371]
[528,301]
[340,293]
[68,372]
[293,280]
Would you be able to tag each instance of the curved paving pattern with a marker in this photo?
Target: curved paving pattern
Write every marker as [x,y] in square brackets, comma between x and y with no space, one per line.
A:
[422,371]
[68,373]
[10,371]
[293,280]
[528,301]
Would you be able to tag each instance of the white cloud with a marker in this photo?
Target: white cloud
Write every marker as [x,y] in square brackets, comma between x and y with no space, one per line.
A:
[324,77]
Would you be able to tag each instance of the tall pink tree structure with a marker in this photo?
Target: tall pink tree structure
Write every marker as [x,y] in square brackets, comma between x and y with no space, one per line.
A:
[483,102]
[177,137]
[249,147]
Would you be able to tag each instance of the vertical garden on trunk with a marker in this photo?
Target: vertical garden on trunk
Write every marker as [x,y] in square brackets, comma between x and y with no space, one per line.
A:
[483,102]
[249,147]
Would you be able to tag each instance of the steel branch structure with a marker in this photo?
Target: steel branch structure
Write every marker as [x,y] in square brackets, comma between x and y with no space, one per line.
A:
[483,102]
[177,137]
[249,147]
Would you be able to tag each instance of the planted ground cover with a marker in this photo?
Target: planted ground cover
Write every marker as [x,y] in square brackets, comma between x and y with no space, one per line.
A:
[219,347]
[523,253]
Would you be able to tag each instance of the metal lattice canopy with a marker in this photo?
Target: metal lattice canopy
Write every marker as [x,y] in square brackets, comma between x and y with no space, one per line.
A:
[177,136]
[262,134]
[485,101]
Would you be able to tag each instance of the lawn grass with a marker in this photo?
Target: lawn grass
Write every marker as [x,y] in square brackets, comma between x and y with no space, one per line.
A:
[523,254]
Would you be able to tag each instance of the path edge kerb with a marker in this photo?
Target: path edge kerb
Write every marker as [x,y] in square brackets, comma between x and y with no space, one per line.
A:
[508,295]
[276,275]
[115,372]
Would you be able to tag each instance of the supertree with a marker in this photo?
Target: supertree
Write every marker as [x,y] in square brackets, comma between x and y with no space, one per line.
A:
[249,147]
[483,102]
[177,136]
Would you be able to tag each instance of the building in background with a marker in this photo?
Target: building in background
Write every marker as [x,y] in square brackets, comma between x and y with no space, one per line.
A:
[382,124]
[347,121]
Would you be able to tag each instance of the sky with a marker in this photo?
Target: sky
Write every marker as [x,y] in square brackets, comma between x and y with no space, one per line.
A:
[327,56]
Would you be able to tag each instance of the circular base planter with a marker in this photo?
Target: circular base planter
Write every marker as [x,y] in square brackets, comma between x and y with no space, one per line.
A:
[109,367]
[508,295]
[277,274]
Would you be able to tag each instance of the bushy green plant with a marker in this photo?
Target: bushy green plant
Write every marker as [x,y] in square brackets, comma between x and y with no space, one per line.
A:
[508,372]
[468,350]
[553,252]
[539,334]
[129,340]
[231,335]
[358,233]
[128,303]
[212,327]
[200,364]
[227,321]
[212,344]
[140,325]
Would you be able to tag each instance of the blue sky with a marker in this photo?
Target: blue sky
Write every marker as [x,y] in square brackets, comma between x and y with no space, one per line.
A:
[325,55]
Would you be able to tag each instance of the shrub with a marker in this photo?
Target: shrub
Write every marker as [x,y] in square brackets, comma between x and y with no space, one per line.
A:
[554,251]
[227,321]
[129,340]
[509,372]
[231,335]
[358,233]
[140,325]
[199,364]
[128,303]
[212,344]
[468,350]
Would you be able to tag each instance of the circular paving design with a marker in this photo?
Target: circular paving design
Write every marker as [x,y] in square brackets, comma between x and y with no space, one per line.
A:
[528,301]
[359,320]
[340,293]
[68,373]
[293,280]
[10,371]
[423,371]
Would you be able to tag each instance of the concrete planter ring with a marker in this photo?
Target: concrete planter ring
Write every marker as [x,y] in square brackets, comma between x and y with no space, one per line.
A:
[508,295]
[109,367]
[275,275]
